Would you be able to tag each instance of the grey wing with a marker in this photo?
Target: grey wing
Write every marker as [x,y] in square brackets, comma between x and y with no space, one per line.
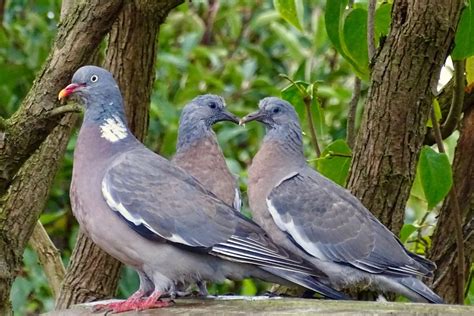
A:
[159,200]
[331,224]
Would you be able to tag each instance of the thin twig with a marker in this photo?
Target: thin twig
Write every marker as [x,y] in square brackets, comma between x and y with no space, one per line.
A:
[371,29]
[457,103]
[351,115]
[457,217]
[49,257]
[211,17]
[314,140]
[418,235]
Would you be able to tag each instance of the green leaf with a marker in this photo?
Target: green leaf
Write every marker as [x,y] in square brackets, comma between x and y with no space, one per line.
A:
[435,175]
[406,232]
[337,31]
[335,161]
[248,287]
[334,22]
[289,10]
[383,18]
[355,39]
[47,218]
[297,51]
[464,44]
[294,95]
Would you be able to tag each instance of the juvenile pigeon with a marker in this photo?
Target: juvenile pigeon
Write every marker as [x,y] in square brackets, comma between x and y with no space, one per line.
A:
[151,215]
[312,216]
[199,154]
[198,151]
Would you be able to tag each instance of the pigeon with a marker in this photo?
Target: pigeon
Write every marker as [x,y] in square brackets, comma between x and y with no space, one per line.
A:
[198,151]
[199,154]
[313,217]
[154,217]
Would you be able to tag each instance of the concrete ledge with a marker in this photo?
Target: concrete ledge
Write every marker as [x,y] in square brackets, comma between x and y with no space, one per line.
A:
[238,305]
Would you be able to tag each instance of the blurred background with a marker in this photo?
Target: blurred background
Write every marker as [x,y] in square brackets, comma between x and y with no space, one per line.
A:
[242,59]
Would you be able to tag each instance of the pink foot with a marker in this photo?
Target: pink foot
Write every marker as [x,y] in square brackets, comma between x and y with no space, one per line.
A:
[131,303]
[153,301]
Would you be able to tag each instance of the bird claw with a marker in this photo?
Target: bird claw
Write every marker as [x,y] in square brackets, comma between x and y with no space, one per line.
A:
[125,306]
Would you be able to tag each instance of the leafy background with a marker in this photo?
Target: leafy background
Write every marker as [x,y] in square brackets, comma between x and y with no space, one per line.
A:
[252,44]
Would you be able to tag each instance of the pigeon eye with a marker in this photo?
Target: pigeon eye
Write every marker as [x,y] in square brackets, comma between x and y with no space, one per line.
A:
[94,78]
[212,105]
[276,110]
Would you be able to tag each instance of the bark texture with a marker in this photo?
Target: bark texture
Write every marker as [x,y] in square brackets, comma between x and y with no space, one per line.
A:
[394,122]
[49,258]
[93,274]
[24,132]
[32,141]
[444,251]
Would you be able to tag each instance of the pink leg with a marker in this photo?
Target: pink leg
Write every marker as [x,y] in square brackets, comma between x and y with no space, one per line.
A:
[132,303]
[153,301]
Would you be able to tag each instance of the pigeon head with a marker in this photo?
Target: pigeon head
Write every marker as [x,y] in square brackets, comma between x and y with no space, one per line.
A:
[199,115]
[96,89]
[273,113]
[206,109]
[90,85]
[281,122]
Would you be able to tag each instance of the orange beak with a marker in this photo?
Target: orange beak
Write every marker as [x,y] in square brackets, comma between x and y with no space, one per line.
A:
[64,93]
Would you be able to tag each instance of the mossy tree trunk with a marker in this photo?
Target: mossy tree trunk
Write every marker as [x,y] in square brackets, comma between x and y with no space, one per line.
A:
[33,141]
[92,274]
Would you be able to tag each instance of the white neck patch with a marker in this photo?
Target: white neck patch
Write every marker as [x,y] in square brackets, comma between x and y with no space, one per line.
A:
[113,129]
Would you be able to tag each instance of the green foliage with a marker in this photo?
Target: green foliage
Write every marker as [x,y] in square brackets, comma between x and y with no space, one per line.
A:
[290,10]
[435,175]
[464,45]
[252,43]
[339,25]
[335,161]
[347,30]
[30,292]
[298,93]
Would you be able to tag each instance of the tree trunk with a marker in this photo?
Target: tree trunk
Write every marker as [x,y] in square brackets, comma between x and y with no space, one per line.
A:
[405,72]
[31,141]
[444,252]
[93,274]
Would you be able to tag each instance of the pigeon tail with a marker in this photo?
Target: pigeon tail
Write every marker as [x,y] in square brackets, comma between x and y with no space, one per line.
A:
[415,285]
[308,282]
[429,265]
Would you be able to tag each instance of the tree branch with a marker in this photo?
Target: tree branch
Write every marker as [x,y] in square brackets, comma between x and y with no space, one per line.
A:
[210,18]
[457,216]
[74,43]
[455,111]
[371,29]
[351,115]
[49,257]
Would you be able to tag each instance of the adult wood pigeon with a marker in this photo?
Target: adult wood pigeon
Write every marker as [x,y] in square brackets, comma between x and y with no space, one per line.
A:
[324,223]
[153,216]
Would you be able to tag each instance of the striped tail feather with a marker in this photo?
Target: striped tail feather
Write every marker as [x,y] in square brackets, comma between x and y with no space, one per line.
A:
[308,282]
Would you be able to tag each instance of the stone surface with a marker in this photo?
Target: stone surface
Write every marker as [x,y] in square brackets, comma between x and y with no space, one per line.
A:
[231,305]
